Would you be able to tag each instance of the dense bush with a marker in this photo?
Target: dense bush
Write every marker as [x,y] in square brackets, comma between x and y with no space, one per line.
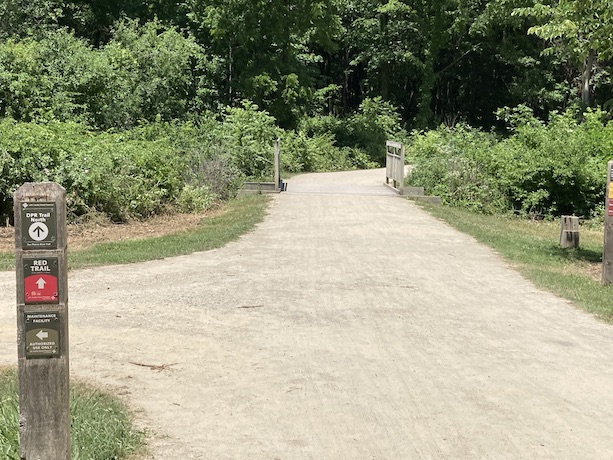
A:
[456,164]
[146,72]
[103,172]
[302,153]
[550,168]
[366,130]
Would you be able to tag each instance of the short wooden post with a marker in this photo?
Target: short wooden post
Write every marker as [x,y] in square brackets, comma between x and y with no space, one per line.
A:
[607,251]
[278,165]
[569,232]
[42,321]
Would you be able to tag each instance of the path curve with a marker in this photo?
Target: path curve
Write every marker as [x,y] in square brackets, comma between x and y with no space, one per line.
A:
[348,325]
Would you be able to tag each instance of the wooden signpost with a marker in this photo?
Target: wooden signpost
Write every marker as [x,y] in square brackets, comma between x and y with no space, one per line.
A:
[607,252]
[277,165]
[42,321]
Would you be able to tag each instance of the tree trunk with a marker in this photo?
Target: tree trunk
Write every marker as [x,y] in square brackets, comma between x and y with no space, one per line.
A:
[586,78]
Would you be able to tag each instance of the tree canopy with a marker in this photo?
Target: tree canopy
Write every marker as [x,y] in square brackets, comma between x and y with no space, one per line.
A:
[115,63]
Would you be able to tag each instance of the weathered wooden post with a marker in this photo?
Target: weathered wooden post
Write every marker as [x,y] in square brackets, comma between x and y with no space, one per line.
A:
[42,321]
[607,250]
[278,165]
[569,232]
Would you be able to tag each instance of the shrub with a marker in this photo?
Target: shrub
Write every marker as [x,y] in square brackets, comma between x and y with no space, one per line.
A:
[195,199]
[105,172]
[549,168]
[249,134]
[121,177]
[367,130]
[454,164]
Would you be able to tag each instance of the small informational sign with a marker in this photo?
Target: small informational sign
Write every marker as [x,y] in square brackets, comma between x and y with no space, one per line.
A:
[40,280]
[42,331]
[38,225]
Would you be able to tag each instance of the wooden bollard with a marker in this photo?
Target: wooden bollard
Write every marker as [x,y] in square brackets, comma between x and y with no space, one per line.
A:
[42,321]
[569,232]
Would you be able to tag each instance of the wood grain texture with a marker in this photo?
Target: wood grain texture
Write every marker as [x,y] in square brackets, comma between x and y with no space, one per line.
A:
[44,410]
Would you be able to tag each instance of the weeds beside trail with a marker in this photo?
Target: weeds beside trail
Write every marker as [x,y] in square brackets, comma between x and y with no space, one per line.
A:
[100,429]
[533,248]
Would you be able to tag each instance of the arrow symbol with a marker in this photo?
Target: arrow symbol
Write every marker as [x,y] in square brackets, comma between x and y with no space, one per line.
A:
[42,335]
[41,283]
[38,231]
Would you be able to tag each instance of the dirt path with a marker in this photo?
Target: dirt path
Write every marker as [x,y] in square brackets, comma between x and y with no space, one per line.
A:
[349,325]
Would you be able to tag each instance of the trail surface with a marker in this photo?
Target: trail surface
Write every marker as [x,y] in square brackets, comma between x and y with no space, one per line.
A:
[348,325]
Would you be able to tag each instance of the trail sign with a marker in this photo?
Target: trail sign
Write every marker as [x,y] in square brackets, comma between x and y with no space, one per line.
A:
[38,225]
[40,280]
[42,331]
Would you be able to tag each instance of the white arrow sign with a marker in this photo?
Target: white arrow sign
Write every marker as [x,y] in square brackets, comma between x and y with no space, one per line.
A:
[38,231]
[42,335]
[41,283]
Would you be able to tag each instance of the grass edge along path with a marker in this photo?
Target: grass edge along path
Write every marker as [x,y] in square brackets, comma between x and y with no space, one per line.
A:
[238,217]
[101,426]
[533,249]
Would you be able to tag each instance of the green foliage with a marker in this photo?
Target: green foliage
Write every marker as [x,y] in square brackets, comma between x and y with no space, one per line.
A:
[542,169]
[206,150]
[366,130]
[47,79]
[154,73]
[302,153]
[19,18]
[249,134]
[146,72]
[270,51]
[455,164]
[375,122]
[194,199]
[122,178]
[106,172]
[9,415]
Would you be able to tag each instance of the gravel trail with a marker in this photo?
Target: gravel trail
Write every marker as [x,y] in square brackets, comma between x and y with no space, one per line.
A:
[348,325]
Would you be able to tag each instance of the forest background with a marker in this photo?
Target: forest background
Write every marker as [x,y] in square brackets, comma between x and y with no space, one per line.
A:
[139,107]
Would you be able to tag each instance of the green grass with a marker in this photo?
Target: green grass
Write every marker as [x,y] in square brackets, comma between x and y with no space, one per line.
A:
[238,217]
[533,248]
[101,425]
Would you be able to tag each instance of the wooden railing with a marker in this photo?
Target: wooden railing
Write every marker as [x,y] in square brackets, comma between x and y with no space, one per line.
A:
[394,164]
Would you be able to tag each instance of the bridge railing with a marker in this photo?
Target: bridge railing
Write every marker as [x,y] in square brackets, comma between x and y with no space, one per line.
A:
[394,164]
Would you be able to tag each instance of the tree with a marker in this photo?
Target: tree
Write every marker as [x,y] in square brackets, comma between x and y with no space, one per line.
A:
[267,48]
[22,18]
[579,30]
